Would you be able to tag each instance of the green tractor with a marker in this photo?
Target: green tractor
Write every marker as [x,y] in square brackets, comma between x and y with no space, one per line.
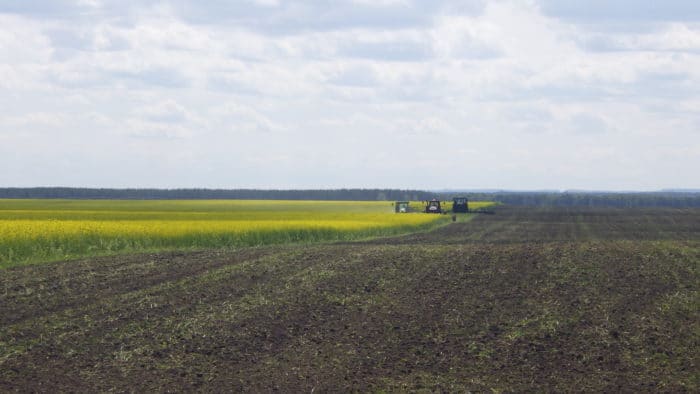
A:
[401,207]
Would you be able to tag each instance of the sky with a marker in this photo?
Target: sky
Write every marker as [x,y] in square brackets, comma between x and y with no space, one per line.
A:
[521,94]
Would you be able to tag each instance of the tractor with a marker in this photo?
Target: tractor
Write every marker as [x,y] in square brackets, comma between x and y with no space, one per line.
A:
[460,205]
[433,206]
[401,207]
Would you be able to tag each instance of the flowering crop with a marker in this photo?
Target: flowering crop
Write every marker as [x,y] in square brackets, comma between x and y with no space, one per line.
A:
[44,230]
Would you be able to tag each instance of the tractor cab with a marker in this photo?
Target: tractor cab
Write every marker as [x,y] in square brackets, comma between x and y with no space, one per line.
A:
[433,206]
[460,205]
[401,207]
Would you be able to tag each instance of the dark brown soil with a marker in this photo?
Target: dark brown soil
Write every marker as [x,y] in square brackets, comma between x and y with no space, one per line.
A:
[523,300]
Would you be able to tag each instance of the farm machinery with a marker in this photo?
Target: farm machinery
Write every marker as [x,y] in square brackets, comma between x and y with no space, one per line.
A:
[433,206]
[459,205]
[401,207]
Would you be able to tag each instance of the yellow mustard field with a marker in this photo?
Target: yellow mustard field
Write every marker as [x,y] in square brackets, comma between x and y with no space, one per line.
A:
[45,230]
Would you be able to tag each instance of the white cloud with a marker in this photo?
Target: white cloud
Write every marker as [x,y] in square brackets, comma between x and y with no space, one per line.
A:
[33,121]
[381,3]
[267,3]
[167,111]
[236,120]
[523,93]
[666,37]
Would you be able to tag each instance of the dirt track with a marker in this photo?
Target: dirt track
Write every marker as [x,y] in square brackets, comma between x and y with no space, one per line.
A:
[546,300]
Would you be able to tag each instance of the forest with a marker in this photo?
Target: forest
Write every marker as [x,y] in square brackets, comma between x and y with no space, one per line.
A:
[675,199]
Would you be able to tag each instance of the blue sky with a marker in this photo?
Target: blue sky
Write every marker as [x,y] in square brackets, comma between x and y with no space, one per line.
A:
[548,94]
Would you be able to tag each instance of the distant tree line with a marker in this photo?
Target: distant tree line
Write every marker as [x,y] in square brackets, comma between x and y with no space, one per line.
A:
[216,194]
[591,199]
[564,199]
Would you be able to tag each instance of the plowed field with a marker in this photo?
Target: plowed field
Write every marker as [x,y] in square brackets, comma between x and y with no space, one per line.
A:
[523,300]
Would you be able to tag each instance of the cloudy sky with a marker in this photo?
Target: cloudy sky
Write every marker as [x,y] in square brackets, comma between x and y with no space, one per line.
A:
[522,94]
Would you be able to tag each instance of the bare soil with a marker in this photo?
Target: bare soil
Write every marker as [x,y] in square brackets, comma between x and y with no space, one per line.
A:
[523,300]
